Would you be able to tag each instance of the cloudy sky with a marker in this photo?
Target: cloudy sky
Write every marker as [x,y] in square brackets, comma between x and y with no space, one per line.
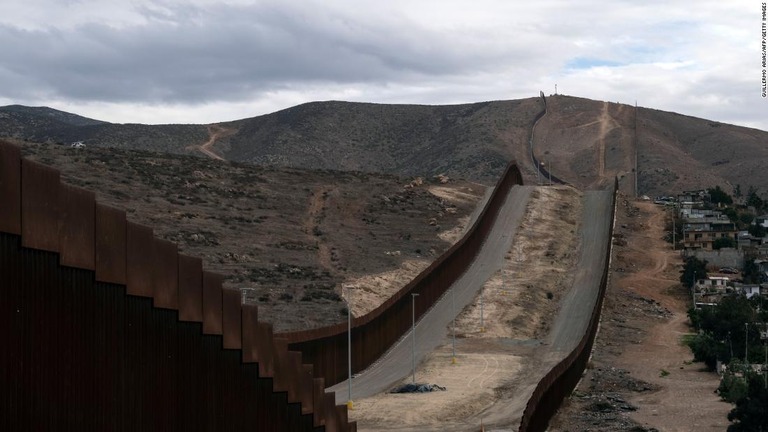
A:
[197,61]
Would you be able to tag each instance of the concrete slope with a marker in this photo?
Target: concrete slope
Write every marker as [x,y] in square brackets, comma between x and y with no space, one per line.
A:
[431,330]
[577,305]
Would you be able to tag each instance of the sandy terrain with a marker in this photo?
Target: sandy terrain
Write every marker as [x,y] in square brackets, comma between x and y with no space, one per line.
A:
[493,368]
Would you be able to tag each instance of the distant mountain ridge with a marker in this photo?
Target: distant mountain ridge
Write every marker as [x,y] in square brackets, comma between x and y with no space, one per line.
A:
[51,114]
[583,141]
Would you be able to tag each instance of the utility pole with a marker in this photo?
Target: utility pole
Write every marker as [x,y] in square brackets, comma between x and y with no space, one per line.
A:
[693,290]
[746,344]
[730,342]
[482,323]
[538,173]
[413,336]
[350,405]
[453,309]
[674,216]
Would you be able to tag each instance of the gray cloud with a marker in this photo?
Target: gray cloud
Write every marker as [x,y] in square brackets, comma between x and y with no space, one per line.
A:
[186,55]
[155,59]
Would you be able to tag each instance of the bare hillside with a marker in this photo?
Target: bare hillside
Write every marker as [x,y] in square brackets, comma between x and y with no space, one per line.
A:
[473,141]
[588,142]
[287,237]
[583,141]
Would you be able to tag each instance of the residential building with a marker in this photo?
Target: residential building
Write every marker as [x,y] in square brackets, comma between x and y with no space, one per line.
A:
[701,233]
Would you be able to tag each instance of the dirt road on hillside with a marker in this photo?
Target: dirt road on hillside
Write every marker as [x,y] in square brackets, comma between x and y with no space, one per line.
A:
[686,401]
[215,132]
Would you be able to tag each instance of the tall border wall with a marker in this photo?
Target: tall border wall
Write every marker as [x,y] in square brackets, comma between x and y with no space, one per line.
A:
[559,382]
[106,327]
[375,332]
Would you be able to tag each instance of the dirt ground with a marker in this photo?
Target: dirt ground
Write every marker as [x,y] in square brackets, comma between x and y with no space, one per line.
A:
[494,373]
[641,376]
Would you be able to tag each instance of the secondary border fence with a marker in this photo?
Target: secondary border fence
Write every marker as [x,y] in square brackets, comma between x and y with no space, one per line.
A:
[541,169]
[106,327]
[559,382]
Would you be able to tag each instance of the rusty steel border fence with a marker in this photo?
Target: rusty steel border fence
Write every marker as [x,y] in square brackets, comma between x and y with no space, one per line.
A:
[106,327]
[559,382]
[375,332]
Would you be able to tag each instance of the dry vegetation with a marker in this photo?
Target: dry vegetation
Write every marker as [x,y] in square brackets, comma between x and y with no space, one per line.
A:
[287,237]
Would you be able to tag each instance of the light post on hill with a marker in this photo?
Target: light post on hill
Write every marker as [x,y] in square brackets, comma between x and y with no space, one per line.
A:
[453,313]
[482,320]
[746,344]
[413,336]
[350,405]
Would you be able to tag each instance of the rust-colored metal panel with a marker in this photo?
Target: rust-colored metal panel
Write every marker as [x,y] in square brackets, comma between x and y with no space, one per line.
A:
[281,374]
[342,415]
[295,371]
[231,299]
[40,206]
[249,331]
[212,298]
[166,267]
[306,395]
[10,188]
[141,260]
[331,415]
[190,288]
[110,245]
[318,396]
[265,351]
[77,241]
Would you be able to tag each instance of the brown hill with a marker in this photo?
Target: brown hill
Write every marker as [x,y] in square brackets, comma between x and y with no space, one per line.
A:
[473,141]
[287,237]
[585,142]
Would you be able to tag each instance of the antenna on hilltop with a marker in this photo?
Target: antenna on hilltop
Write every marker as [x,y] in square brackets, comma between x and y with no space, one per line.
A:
[555,89]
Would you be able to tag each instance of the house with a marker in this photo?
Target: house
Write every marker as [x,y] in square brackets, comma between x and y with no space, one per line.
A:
[762,220]
[701,233]
[78,144]
[749,290]
[712,284]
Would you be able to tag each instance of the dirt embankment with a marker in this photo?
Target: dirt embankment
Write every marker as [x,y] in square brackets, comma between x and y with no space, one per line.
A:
[642,376]
[371,290]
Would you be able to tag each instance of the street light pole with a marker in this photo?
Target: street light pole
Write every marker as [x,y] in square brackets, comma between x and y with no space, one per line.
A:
[413,336]
[482,322]
[693,290]
[350,405]
[746,344]
[453,313]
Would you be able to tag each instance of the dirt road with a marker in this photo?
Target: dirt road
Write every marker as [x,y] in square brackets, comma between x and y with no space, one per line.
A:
[639,359]
[215,132]
[686,400]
